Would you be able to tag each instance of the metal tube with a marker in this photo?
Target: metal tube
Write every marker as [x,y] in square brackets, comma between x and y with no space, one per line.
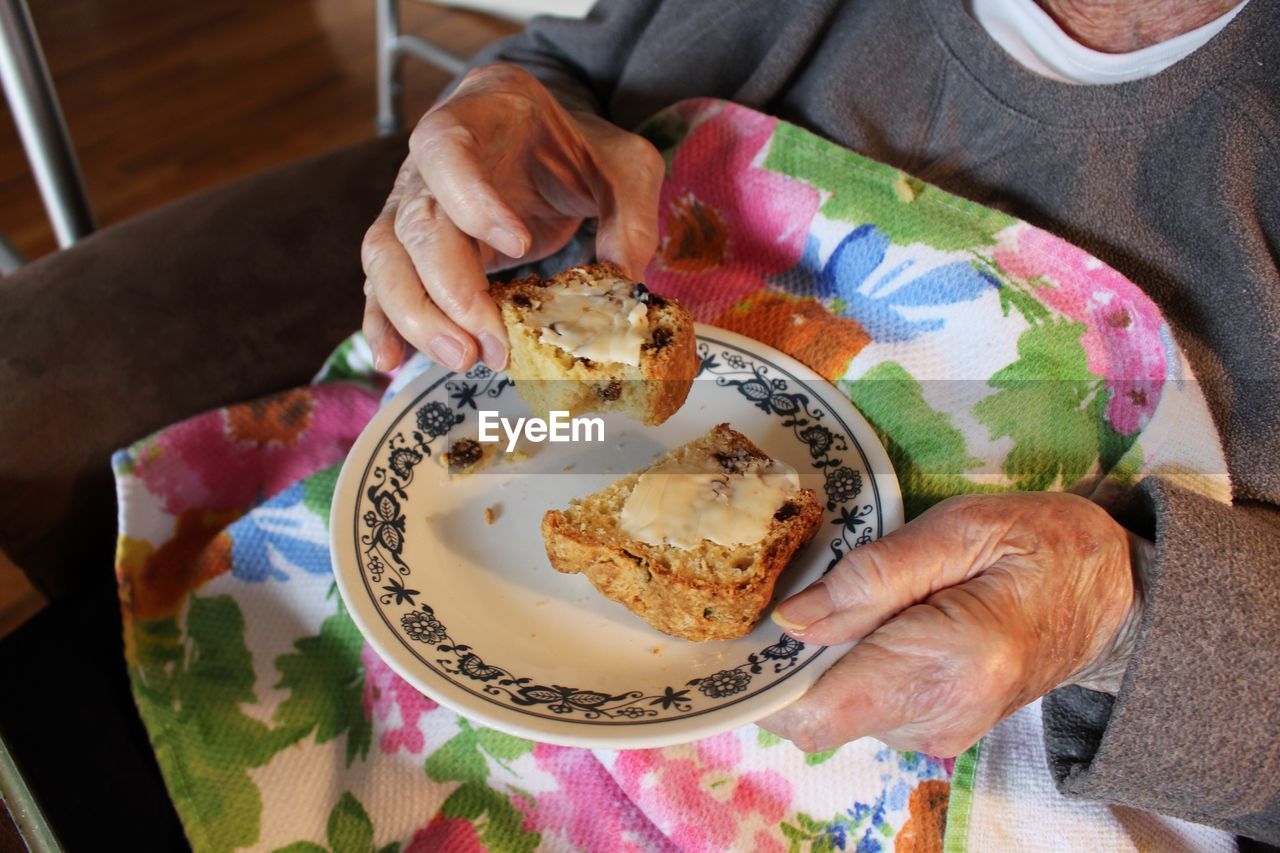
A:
[38,116]
[11,259]
[23,808]
[387,24]
[431,52]
[392,46]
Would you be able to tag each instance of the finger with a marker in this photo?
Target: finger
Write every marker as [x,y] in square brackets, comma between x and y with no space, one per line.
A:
[945,546]
[844,704]
[385,342]
[447,157]
[401,297]
[628,205]
[449,266]
[934,679]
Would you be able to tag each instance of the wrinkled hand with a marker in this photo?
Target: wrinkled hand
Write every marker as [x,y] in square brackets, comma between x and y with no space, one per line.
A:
[497,172]
[974,609]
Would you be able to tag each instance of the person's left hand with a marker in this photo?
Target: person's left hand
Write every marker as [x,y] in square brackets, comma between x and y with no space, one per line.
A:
[966,614]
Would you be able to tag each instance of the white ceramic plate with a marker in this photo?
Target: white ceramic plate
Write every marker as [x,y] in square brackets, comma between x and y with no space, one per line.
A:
[473,615]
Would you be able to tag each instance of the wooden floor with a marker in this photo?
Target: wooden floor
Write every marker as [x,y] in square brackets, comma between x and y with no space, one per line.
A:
[164,99]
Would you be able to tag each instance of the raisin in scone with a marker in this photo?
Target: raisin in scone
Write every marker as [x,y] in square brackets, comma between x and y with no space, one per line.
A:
[592,340]
[694,543]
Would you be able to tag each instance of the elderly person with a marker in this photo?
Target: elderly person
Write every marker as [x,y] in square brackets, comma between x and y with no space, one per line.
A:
[1155,643]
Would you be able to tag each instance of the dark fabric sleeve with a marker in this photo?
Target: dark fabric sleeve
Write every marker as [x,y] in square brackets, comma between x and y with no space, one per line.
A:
[578,60]
[1195,729]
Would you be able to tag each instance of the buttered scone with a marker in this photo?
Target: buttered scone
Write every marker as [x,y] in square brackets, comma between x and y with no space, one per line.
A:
[694,543]
[592,340]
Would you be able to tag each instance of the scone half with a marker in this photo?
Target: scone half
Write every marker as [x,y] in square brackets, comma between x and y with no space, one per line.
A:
[696,591]
[562,364]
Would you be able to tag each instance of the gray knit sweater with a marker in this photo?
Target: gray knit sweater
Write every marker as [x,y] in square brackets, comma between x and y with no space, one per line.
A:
[1173,180]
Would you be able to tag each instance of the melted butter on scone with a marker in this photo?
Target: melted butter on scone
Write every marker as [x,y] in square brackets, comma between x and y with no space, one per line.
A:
[600,320]
[682,504]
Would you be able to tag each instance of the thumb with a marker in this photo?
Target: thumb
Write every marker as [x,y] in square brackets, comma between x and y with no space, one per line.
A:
[945,546]
[934,679]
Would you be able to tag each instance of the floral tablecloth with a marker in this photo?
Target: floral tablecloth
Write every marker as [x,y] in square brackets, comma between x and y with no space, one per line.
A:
[989,356]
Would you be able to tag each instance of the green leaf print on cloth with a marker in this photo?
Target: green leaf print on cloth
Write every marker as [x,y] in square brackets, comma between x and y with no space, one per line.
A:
[352,361]
[928,452]
[813,759]
[462,759]
[317,491]
[349,830]
[325,680]
[1053,408]
[1059,426]
[190,696]
[862,191]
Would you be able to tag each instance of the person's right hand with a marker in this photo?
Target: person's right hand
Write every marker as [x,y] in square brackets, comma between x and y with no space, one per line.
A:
[497,173]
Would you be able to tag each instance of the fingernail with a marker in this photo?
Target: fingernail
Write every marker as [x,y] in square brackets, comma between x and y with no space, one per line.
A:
[493,351]
[378,345]
[448,352]
[507,242]
[804,609]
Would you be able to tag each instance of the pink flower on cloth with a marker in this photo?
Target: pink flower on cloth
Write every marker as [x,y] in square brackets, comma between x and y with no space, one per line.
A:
[1125,332]
[700,799]
[724,223]
[384,693]
[232,457]
[588,808]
